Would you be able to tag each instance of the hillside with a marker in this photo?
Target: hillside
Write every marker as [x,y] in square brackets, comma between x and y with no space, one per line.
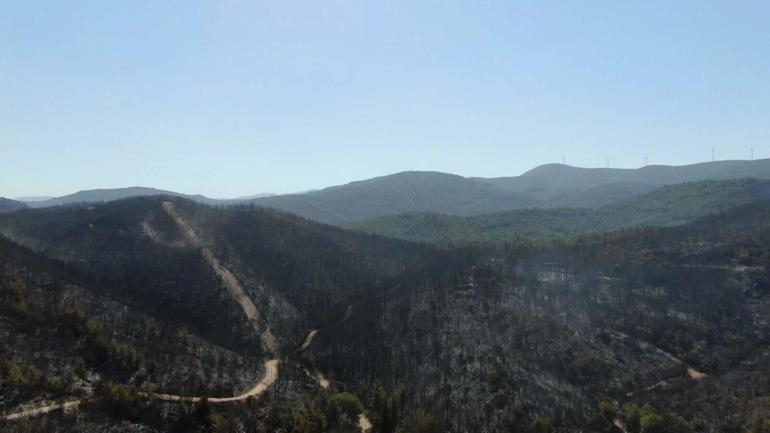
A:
[668,205]
[397,193]
[8,205]
[91,337]
[421,338]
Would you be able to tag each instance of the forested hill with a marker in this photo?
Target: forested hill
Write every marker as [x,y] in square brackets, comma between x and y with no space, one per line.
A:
[415,191]
[111,194]
[133,246]
[8,205]
[668,205]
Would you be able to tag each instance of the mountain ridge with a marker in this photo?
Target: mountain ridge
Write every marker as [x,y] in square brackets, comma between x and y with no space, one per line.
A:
[545,186]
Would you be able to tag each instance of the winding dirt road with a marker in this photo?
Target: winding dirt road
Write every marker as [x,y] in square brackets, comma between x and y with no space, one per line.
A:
[271,375]
[269,378]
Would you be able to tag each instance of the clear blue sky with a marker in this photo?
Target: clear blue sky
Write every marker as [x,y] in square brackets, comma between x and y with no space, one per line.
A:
[233,97]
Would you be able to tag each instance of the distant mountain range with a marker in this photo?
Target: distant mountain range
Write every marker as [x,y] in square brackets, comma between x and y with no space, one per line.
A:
[547,186]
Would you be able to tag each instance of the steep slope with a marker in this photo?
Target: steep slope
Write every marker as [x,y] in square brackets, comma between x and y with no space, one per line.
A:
[104,195]
[135,253]
[115,244]
[65,337]
[8,205]
[137,250]
[401,192]
[632,315]
[231,283]
[668,205]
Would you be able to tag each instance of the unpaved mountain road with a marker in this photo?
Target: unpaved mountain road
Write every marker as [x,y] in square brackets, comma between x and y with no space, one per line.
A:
[269,378]
[695,374]
[364,424]
[231,283]
[308,340]
[619,424]
[271,375]
[26,413]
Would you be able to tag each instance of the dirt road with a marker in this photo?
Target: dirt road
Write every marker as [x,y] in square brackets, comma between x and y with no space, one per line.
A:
[695,374]
[364,424]
[231,283]
[619,424]
[271,375]
[26,413]
[308,340]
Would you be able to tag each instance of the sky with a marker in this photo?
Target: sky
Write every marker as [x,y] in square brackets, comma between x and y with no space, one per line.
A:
[234,97]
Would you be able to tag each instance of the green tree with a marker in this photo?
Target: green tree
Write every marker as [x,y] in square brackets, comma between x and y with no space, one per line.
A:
[758,424]
[631,415]
[608,409]
[652,423]
[427,423]
[343,408]
[542,424]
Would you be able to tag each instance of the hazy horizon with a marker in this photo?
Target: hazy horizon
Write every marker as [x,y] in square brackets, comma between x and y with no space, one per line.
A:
[228,99]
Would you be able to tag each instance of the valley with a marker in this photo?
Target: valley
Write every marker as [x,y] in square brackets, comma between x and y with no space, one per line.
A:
[460,338]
